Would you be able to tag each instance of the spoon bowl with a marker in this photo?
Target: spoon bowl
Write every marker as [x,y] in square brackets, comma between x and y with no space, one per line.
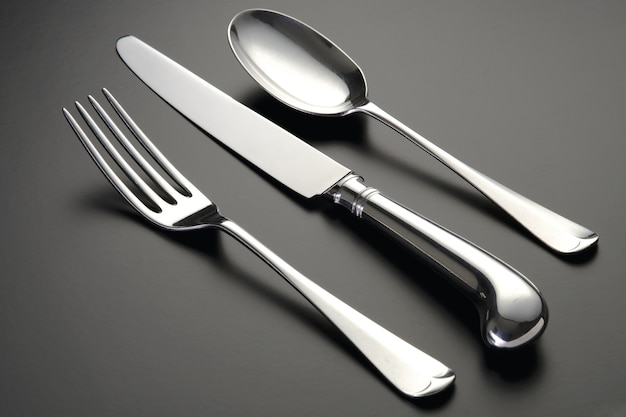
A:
[297,64]
[305,70]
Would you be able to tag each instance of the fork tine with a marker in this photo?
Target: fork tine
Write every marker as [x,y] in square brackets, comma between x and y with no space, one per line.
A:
[185,184]
[118,158]
[104,166]
[141,161]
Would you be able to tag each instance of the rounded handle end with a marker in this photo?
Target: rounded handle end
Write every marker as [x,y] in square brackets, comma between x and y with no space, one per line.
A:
[514,323]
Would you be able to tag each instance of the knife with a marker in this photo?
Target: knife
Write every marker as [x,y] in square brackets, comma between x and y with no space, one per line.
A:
[512,311]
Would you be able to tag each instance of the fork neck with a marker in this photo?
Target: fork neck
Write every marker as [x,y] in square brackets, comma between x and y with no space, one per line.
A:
[209,215]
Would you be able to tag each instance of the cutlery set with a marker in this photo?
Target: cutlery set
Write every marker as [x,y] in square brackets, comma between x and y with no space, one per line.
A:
[306,71]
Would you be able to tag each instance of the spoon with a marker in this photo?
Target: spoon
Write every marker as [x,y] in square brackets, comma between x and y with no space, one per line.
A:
[306,71]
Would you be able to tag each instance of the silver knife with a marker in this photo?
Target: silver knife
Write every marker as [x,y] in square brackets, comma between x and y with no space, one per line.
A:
[512,310]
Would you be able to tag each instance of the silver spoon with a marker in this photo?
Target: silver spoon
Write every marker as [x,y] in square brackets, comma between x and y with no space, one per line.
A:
[305,70]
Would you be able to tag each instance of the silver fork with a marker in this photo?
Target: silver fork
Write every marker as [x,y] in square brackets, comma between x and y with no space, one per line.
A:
[410,370]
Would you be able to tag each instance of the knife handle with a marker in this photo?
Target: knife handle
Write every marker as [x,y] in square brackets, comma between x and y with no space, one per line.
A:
[512,311]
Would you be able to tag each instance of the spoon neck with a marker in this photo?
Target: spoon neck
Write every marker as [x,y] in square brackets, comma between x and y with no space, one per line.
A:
[381,115]
[373,110]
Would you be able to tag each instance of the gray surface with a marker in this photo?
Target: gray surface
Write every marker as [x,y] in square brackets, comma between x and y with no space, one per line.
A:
[102,315]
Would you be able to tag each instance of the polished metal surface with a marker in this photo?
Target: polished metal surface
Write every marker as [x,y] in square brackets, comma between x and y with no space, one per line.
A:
[307,71]
[301,167]
[513,312]
[410,370]
[103,315]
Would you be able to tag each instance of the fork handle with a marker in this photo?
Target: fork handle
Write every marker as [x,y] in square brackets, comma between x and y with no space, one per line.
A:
[412,371]
[513,312]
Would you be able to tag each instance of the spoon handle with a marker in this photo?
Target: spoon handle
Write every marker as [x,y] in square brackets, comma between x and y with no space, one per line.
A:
[513,312]
[412,371]
[555,231]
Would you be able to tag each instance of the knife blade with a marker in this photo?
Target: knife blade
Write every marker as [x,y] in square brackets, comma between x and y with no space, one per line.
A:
[512,311]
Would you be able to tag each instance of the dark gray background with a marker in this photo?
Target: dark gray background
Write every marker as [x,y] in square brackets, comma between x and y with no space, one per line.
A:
[103,315]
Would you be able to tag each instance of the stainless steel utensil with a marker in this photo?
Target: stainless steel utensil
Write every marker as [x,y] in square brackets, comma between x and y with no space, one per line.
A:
[512,311]
[307,71]
[413,372]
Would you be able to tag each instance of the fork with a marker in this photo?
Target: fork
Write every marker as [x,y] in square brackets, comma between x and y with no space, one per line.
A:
[411,371]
